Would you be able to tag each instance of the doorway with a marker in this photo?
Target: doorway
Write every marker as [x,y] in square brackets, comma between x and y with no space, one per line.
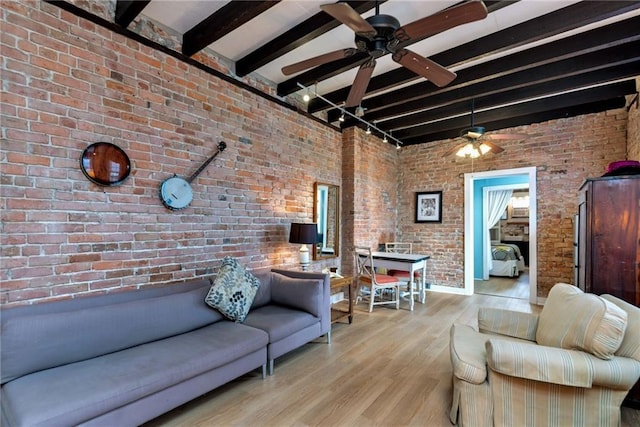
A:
[471,183]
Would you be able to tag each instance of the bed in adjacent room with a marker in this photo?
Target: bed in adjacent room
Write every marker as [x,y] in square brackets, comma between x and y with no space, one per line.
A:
[507,260]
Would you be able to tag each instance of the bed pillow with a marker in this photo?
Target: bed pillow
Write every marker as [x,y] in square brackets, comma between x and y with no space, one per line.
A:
[233,291]
[571,319]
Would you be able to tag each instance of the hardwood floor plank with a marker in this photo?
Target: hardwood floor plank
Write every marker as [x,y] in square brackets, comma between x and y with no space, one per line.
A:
[388,368]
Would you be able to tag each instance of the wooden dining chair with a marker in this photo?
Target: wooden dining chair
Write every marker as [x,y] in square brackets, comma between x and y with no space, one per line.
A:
[399,247]
[377,283]
[403,276]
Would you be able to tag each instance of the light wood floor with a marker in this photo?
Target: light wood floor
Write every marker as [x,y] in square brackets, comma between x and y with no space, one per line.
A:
[512,287]
[388,368]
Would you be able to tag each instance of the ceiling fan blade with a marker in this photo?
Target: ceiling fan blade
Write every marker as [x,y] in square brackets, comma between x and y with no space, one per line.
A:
[441,21]
[495,149]
[359,87]
[318,60]
[424,67]
[349,17]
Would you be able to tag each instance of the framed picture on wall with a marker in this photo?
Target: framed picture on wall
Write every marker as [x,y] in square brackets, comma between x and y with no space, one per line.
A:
[429,206]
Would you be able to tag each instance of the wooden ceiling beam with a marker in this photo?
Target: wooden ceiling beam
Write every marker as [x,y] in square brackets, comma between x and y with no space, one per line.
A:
[620,62]
[226,19]
[553,114]
[297,36]
[525,108]
[541,88]
[127,10]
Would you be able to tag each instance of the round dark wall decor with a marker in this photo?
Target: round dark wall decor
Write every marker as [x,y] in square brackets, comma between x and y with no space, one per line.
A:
[105,164]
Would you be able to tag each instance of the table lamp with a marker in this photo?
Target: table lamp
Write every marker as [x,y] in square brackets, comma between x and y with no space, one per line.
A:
[304,234]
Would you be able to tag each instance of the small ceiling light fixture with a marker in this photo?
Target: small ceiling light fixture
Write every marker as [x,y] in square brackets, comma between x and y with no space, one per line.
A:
[385,139]
[368,130]
[359,111]
[341,119]
[307,96]
[398,146]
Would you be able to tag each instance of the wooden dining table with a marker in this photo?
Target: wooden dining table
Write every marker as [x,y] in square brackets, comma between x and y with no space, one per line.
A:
[405,262]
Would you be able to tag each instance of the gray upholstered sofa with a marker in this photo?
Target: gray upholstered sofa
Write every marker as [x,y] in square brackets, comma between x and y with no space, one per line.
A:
[125,358]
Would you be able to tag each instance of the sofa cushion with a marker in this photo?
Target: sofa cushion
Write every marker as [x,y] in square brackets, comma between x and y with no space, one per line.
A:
[571,319]
[35,342]
[302,294]
[263,296]
[279,322]
[233,291]
[78,392]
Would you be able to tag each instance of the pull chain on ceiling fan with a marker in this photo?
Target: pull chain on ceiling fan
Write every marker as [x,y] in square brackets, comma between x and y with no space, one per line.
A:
[380,34]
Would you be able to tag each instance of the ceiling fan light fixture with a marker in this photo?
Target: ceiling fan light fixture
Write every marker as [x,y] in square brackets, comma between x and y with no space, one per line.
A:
[484,148]
[465,150]
[471,150]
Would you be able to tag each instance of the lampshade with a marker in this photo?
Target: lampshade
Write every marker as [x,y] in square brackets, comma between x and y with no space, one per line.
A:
[303,233]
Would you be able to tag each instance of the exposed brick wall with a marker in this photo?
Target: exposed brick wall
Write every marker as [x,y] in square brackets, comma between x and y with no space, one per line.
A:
[633,126]
[370,200]
[68,83]
[565,152]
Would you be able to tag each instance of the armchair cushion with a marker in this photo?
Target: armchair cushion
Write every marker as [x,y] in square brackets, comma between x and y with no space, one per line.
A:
[572,319]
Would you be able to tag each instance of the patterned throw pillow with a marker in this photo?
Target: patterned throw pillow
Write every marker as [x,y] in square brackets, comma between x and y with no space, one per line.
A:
[233,291]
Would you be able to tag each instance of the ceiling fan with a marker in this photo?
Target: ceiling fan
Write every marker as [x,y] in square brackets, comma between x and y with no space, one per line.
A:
[477,143]
[379,35]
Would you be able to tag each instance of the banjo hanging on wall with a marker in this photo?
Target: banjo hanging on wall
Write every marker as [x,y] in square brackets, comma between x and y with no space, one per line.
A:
[176,193]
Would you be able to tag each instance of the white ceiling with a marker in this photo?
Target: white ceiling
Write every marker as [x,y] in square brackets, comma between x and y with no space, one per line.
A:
[288,13]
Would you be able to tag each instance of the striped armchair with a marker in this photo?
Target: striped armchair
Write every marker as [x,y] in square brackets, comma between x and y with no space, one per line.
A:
[572,365]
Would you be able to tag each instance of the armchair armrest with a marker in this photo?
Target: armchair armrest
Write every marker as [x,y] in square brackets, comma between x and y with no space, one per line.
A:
[506,322]
[559,366]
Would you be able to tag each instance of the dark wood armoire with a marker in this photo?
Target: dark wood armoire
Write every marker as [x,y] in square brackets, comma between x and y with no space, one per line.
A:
[608,242]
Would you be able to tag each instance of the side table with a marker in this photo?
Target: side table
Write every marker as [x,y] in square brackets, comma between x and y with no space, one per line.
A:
[338,284]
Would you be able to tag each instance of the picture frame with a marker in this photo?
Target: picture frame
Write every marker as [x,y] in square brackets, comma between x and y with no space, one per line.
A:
[429,206]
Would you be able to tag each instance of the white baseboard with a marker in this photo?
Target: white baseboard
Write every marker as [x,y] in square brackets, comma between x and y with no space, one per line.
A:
[337,297]
[448,290]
